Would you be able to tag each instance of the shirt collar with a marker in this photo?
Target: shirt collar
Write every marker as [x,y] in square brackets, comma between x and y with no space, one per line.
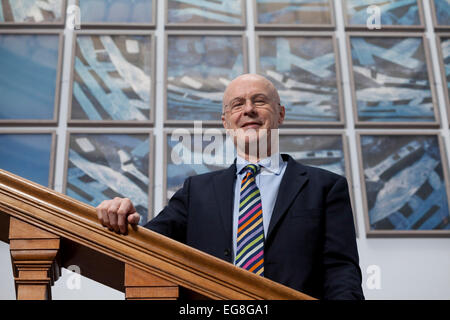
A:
[268,165]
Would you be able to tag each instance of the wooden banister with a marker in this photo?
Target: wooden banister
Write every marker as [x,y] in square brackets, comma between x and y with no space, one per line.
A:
[153,263]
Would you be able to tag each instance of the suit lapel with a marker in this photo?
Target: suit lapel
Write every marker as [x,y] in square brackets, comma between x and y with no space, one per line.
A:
[224,189]
[293,180]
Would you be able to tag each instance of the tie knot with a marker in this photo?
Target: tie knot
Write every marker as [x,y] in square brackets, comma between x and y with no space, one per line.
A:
[252,168]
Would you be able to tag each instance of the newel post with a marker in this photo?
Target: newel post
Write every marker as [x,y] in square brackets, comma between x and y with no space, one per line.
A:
[34,259]
[141,285]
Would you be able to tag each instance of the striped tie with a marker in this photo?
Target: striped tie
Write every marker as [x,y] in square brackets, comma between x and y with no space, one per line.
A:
[250,234]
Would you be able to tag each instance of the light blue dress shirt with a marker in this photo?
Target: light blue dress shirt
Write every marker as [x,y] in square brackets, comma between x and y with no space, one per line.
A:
[268,181]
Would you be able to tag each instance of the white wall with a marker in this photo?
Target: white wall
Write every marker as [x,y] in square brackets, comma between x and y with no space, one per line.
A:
[410,268]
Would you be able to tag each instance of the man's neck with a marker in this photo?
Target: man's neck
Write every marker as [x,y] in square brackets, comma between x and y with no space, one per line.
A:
[255,158]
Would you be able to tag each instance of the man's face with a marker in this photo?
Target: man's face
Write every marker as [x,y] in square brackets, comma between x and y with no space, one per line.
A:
[251,102]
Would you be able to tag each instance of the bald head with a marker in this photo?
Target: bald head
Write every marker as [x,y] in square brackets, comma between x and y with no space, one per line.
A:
[246,80]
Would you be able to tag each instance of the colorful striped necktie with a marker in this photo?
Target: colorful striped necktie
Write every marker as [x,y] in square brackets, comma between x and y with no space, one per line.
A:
[250,233]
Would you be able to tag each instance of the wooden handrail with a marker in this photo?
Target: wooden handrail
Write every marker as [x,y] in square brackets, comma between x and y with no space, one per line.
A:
[148,251]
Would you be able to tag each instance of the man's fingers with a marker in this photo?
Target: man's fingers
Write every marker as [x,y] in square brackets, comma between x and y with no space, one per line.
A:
[117,213]
[112,214]
[98,210]
[134,218]
[126,208]
[122,223]
[102,213]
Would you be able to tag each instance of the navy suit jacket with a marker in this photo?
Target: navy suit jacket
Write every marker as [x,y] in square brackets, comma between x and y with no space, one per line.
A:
[310,244]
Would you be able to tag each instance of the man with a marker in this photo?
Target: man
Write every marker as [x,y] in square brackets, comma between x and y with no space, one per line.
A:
[270,215]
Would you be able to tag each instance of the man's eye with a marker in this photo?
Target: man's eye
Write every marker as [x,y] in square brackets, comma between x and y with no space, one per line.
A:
[260,102]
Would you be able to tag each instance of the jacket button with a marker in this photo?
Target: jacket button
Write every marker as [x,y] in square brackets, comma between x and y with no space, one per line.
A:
[227,252]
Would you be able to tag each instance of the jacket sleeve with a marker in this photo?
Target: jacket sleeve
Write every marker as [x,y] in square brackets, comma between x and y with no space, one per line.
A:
[342,274]
[172,220]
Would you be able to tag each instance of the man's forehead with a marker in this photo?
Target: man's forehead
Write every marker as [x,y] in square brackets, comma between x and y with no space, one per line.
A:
[248,86]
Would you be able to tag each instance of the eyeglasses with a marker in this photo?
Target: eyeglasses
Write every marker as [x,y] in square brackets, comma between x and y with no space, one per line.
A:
[237,105]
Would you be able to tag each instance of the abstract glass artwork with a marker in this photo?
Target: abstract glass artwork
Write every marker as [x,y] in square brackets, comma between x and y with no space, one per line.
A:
[445,54]
[28,76]
[31,11]
[116,11]
[322,151]
[195,154]
[391,81]
[199,69]
[294,12]
[405,187]
[205,12]
[112,78]
[392,12]
[27,155]
[104,166]
[303,69]
[442,12]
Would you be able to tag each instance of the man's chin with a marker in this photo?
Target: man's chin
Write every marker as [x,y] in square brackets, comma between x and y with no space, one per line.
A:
[251,141]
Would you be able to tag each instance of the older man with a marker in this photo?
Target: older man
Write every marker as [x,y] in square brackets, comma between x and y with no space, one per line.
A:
[266,213]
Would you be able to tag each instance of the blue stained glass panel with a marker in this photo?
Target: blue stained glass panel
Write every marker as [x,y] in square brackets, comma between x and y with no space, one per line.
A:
[205,11]
[29,66]
[105,166]
[199,69]
[405,184]
[392,12]
[445,50]
[391,79]
[303,69]
[294,12]
[442,11]
[31,11]
[27,155]
[112,78]
[116,11]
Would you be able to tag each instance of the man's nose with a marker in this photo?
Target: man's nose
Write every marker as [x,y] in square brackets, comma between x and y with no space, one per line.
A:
[249,107]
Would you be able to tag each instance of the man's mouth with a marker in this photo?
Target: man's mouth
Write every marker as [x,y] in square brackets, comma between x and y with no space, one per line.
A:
[251,125]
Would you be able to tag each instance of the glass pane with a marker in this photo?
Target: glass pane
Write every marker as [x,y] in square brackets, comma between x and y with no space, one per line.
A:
[27,155]
[295,12]
[445,50]
[391,79]
[31,11]
[205,12]
[442,8]
[392,12]
[116,11]
[405,184]
[199,68]
[29,67]
[303,69]
[104,166]
[112,79]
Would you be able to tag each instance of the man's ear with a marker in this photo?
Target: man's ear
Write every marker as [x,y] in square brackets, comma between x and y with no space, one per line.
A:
[224,121]
[282,115]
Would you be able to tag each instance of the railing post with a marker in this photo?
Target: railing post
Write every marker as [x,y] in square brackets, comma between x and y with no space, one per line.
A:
[34,260]
[141,285]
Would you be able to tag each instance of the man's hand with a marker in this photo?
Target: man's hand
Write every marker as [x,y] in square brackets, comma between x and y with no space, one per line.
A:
[117,213]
